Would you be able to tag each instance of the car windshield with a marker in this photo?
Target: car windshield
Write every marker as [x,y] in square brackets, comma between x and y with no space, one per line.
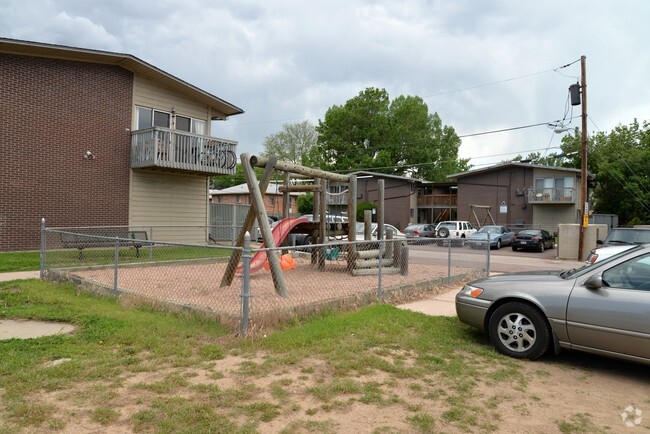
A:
[628,236]
[490,229]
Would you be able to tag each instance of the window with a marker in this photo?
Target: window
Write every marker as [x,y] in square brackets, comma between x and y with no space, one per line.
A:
[183,123]
[238,198]
[632,274]
[147,117]
[199,127]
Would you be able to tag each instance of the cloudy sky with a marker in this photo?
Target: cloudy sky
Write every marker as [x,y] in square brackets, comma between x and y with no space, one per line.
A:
[482,65]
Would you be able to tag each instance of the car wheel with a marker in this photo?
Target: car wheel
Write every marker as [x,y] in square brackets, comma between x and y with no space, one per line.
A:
[552,245]
[519,330]
[443,233]
[514,249]
[498,244]
[541,246]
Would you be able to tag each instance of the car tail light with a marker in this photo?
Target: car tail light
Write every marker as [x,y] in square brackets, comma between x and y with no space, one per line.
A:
[416,232]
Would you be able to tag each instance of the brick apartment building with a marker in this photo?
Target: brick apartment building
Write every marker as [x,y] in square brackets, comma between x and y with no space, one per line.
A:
[98,138]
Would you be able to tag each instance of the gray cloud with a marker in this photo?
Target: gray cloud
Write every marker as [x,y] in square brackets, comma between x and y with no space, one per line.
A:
[286,60]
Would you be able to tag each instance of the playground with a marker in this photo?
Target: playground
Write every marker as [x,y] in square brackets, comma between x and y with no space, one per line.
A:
[324,275]
[195,287]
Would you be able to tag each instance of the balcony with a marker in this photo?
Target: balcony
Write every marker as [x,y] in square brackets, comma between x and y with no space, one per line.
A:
[551,195]
[437,200]
[179,151]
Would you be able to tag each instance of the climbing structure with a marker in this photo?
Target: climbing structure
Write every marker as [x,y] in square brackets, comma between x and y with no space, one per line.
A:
[257,210]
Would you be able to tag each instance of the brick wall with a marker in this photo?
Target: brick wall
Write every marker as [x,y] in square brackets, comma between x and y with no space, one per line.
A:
[55,111]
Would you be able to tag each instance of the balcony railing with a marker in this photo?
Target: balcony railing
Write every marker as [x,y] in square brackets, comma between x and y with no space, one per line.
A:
[183,152]
[551,195]
[437,200]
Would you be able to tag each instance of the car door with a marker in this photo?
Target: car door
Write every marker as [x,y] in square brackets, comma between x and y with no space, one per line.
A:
[507,236]
[614,318]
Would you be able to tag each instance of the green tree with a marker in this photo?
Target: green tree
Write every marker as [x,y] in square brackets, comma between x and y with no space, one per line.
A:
[306,203]
[224,181]
[292,144]
[400,137]
[620,163]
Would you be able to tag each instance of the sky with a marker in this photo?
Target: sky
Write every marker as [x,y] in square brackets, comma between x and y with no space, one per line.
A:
[482,65]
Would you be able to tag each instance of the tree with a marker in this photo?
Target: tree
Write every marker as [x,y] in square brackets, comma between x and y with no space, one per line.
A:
[292,144]
[306,203]
[224,181]
[620,162]
[400,137]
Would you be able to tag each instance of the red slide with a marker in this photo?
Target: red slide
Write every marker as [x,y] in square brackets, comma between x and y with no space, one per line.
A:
[280,232]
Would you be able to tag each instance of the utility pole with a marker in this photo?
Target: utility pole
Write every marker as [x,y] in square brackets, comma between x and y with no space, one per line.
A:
[583,167]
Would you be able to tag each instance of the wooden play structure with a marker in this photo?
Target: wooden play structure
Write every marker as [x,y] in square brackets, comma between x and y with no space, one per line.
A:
[487,219]
[321,225]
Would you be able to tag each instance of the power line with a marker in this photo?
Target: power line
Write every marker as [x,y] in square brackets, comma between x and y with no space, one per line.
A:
[446,92]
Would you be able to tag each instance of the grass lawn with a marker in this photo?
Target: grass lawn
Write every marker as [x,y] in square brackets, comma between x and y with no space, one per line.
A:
[133,369]
[28,261]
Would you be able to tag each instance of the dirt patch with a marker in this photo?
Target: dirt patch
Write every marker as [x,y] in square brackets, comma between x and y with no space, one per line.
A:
[572,392]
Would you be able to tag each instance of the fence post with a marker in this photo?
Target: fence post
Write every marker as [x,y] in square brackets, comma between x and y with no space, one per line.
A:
[150,243]
[233,230]
[42,258]
[489,235]
[381,255]
[116,258]
[449,261]
[246,281]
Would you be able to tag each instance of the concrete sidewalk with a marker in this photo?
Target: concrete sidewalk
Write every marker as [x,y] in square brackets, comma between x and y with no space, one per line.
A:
[19,275]
[440,305]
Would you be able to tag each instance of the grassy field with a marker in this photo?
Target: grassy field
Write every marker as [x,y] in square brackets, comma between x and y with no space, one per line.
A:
[27,261]
[134,369]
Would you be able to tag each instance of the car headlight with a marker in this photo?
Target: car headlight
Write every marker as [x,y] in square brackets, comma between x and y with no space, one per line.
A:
[471,291]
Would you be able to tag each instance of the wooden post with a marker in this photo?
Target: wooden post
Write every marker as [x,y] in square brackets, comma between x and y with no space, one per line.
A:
[286,197]
[248,224]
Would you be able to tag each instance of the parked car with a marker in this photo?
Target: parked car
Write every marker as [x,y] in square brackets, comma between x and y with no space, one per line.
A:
[600,308]
[533,239]
[454,229]
[601,253]
[499,236]
[618,240]
[373,231]
[420,230]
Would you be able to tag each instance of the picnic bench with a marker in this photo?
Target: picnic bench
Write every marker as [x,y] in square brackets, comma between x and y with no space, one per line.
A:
[104,238]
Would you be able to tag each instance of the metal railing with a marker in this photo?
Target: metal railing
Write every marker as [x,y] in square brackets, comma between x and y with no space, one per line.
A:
[176,275]
[551,195]
[182,151]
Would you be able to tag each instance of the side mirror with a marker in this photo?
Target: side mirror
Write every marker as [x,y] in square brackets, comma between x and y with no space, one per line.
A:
[594,282]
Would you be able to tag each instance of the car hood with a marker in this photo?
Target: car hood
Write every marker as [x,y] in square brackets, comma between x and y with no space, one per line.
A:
[521,276]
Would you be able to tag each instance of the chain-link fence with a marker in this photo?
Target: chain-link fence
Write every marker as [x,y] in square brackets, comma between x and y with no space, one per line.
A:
[154,265]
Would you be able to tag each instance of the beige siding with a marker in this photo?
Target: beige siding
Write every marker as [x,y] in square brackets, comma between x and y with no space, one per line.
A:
[148,94]
[550,216]
[162,199]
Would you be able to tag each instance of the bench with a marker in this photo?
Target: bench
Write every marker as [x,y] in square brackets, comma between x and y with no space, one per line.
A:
[104,238]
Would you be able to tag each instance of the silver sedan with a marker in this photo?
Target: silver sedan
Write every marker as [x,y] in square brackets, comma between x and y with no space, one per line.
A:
[603,308]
